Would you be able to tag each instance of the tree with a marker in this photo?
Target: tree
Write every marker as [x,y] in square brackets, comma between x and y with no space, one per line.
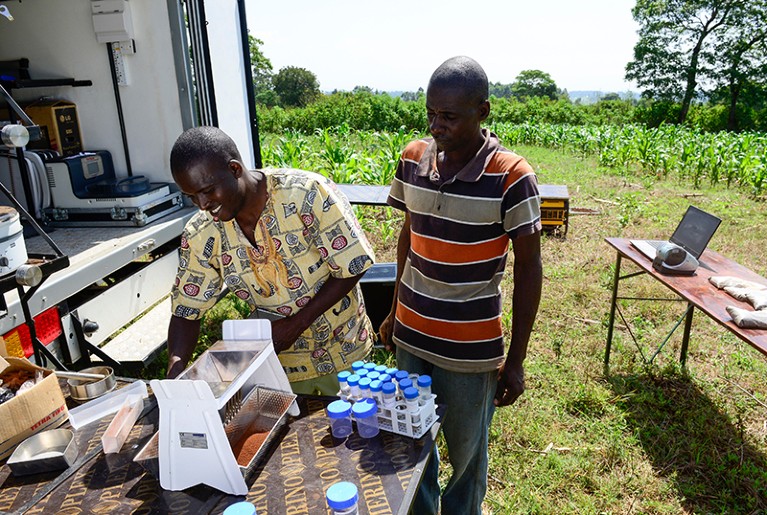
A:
[741,62]
[672,46]
[296,87]
[261,69]
[534,83]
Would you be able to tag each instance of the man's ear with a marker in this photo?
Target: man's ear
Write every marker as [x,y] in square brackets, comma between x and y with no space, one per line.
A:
[484,110]
[236,168]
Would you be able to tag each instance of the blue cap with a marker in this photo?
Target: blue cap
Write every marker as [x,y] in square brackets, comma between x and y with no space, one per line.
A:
[343,376]
[362,372]
[424,381]
[388,387]
[342,495]
[391,371]
[364,408]
[384,378]
[357,365]
[240,508]
[339,409]
[380,369]
[373,374]
[400,375]
[410,392]
[353,380]
[405,383]
[375,386]
[365,382]
[370,366]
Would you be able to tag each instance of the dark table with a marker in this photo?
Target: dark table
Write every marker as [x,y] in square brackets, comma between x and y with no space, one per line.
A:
[304,461]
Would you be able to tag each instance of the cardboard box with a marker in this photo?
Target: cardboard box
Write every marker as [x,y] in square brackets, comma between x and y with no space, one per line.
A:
[40,408]
[59,117]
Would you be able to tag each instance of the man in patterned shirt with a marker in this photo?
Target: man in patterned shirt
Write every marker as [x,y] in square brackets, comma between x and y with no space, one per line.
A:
[465,197]
[284,241]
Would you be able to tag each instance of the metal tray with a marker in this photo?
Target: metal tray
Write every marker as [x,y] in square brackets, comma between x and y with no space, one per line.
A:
[264,410]
[44,452]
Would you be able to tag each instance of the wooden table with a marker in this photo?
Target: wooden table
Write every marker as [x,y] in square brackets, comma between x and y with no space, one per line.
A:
[695,290]
[304,461]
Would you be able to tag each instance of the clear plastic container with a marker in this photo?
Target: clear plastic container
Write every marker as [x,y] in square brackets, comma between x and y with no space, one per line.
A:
[376,391]
[364,385]
[365,413]
[114,437]
[354,389]
[343,385]
[343,498]
[105,405]
[340,415]
[411,399]
[424,387]
[240,508]
[389,392]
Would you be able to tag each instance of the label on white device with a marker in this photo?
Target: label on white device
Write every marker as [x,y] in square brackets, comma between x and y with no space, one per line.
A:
[193,440]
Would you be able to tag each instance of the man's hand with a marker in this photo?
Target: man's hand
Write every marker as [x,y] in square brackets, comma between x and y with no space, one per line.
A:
[511,384]
[385,332]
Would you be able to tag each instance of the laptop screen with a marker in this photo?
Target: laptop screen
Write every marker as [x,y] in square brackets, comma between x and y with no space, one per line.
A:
[695,230]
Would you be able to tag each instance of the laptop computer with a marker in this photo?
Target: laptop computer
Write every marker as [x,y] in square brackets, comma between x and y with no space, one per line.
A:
[693,233]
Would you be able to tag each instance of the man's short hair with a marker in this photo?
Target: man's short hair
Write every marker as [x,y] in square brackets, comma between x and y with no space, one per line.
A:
[202,144]
[464,73]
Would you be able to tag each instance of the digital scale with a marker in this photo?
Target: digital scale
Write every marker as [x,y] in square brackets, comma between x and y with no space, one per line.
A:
[84,191]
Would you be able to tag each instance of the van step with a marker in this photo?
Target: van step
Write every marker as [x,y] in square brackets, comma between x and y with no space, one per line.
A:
[141,342]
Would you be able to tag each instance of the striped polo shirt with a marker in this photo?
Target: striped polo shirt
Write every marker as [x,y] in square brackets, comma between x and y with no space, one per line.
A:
[449,299]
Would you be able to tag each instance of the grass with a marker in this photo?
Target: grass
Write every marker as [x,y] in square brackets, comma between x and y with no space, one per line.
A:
[647,439]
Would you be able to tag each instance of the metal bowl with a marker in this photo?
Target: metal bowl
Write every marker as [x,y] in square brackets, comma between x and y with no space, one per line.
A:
[43,452]
[88,389]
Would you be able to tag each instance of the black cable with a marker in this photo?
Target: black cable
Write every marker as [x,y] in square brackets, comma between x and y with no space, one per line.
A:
[118,101]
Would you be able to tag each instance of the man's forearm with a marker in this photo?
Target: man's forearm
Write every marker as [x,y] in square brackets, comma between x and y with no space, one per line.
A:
[182,339]
[528,281]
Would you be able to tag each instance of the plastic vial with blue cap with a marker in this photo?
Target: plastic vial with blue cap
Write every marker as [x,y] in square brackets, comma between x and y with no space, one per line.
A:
[240,508]
[343,498]
[363,372]
[340,415]
[365,413]
[381,369]
[357,365]
[411,398]
[354,389]
[384,378]
[370,366]
[424,387]
[364,385]
[343,385]
[388,390]
[400,375]
[376,391]
[391,371]
[403,384]
[373,375]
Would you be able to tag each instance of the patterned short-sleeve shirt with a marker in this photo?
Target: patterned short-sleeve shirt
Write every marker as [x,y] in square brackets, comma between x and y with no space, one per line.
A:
[307,233]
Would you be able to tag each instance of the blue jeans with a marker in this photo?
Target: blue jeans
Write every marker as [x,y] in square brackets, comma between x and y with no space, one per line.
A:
[469,399]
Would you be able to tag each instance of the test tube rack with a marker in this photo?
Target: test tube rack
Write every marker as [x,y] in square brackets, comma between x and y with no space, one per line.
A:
[397,418]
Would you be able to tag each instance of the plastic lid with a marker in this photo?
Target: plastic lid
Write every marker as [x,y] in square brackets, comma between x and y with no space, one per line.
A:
[375,386]
[358,365]
[384,378]
[410,392]
[339,409]
[373,375]
[240,508]
[365,382]
[370,366]
[343,376]
[391,371]
[424,381]
[405,383]
[388,387]
[362,372]
[380,369]
[342,495]
[353,379]
[400,375]
[364,408]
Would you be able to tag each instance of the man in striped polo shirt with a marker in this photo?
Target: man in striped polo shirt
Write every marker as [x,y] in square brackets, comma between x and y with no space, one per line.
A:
[465,197]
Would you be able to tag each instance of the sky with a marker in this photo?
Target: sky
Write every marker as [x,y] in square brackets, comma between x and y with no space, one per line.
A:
[394,45]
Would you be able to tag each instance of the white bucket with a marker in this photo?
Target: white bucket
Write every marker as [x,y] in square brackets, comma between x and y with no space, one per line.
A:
[13,251]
